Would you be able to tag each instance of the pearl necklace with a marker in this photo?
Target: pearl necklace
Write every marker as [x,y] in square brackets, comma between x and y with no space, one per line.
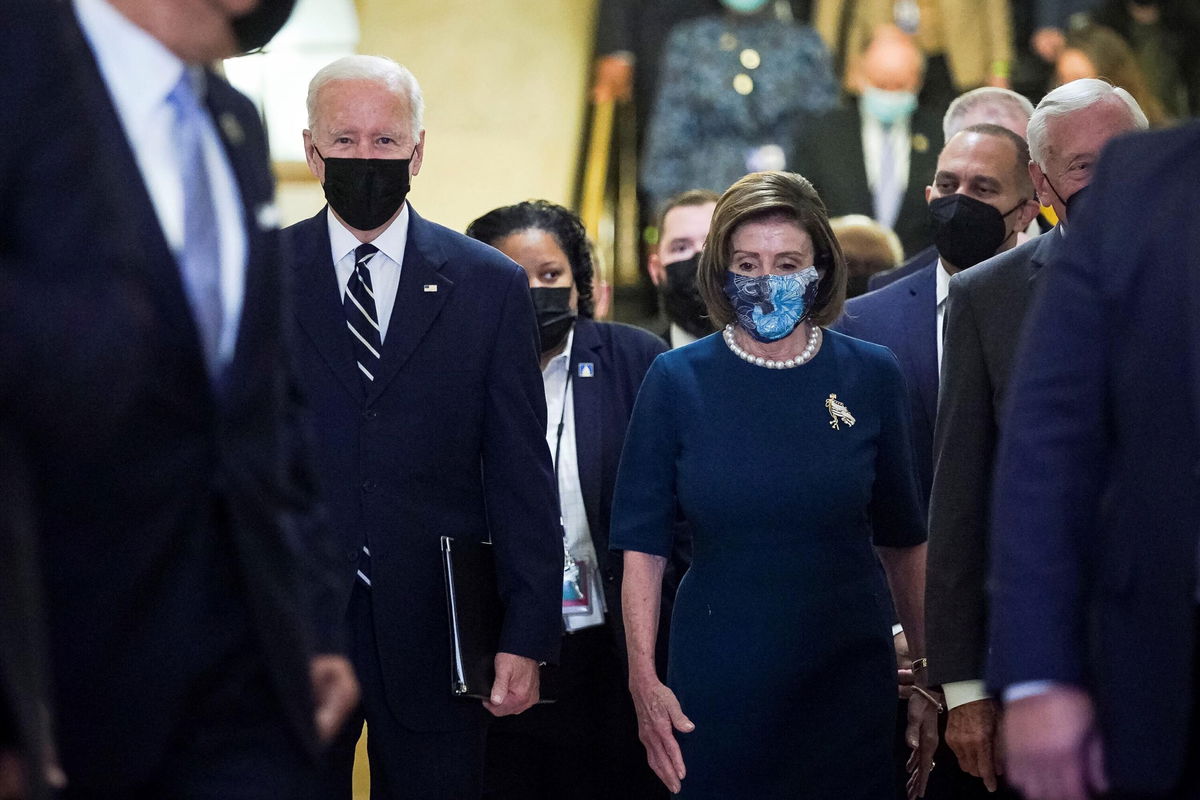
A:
[814,340]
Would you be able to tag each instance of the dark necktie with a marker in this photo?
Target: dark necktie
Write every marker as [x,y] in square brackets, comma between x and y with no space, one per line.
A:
[200,259]
[361,316]
[363,321]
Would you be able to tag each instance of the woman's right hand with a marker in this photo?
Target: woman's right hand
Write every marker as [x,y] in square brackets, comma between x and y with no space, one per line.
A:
[659,716]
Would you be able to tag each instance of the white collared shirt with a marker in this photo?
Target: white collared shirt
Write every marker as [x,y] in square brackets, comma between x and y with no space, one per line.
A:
[560,405]
[679,337]
[140,74]
[872,138]
[943,292]
[385,266]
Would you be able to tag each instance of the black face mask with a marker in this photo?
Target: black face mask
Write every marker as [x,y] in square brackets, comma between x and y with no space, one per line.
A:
[366,192]
[554,315]
[255,29]
[967,231]
[681,297]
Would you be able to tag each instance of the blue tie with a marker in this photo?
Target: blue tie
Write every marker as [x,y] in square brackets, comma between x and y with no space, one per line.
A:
[200,259]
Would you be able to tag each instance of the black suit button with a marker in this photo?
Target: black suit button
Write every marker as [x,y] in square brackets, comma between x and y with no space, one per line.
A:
[369,486]
[352,556]
[370,413]
[609,577]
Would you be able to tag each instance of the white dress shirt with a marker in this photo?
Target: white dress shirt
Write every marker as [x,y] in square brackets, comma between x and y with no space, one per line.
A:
[140,74]
[384,267]
[679,337]
[560,405]
[872,139]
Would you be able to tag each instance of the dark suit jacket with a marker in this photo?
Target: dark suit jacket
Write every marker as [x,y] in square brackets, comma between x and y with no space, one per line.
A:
[917,262]
[830,154]
[449,441]
[1096,515]
[621,355]
[987,306]
[159,500]
[24,689]
[903,318]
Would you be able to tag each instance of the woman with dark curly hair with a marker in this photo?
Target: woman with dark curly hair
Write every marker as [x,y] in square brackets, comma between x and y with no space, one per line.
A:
[786,447]
[585,744]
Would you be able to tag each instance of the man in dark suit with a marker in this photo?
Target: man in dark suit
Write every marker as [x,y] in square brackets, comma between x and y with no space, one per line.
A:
[980,197]
[1096,517]
[873,156]
[146,337]
[683,224]
[419,359]
[585,745]
[987,306]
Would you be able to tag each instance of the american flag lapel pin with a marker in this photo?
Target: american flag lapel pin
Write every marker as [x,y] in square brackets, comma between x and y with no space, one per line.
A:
[431,287]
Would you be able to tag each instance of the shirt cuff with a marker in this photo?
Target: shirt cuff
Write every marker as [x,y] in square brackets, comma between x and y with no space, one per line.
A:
[1020,691]
[897,629]
[959,693]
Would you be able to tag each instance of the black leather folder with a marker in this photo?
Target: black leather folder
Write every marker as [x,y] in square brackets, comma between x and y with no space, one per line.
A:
[476,614]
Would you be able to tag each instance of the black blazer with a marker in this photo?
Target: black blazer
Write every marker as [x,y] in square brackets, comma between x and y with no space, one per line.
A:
[1096,515]
[830,154]
[450,440]
[984,317]
[160,501]
[620,355]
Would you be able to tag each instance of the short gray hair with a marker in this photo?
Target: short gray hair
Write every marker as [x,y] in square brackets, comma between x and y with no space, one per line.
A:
[1007,103]
[394,76]
[1076,96]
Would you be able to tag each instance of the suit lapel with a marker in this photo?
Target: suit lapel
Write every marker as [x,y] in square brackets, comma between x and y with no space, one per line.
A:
[923,318]
[419,299]
[318,302]
[585,392]
[1192,271]
[1050,246]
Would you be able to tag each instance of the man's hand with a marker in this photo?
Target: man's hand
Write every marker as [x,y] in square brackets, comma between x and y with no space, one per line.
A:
[971,734]
[13,785]
[614,79]
[1053,747]
[1048,43]
[659,716]
[335,693]
[517,685]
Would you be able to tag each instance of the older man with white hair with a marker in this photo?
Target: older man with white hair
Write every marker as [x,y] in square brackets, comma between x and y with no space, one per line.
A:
[418,355]
[987,306]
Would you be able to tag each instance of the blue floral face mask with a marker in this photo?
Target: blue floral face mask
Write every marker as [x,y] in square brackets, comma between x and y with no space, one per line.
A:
[770,307]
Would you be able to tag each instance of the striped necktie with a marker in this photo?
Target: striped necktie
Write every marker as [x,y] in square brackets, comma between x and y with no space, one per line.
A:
[200,259]
[361,317]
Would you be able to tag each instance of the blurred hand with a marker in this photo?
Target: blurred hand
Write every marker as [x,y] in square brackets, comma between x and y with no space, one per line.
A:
[517,685]
[971,732]
[335,692]
[1052,746]
[614,79]
[13,784]
[922,737]
[659,716]
[904,673]
[1048,43]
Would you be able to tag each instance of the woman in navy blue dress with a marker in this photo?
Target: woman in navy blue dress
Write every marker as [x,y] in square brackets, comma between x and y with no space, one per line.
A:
[786,448]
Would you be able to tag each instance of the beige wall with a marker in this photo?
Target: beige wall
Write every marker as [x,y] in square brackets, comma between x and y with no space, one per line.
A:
[504,84]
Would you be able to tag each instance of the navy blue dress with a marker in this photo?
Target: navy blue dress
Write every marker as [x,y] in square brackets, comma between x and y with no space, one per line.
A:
[781,647]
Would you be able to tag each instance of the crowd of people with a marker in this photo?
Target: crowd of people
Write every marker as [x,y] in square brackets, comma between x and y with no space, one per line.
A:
[896,499]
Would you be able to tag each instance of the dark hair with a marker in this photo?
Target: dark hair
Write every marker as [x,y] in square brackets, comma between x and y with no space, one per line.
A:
[691,197]
[542,215]
[767,195]
[1021,165]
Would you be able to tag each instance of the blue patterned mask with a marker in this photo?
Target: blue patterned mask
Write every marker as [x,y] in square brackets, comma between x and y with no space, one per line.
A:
[770,307]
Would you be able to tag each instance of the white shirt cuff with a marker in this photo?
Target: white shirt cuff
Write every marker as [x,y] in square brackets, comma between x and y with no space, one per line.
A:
[1020,691]
[897,629]
[959,693]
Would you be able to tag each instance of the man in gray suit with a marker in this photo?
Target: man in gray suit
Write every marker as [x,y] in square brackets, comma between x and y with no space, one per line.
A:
[987,306]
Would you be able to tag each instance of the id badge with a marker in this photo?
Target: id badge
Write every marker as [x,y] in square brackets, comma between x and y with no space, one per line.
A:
[576,594]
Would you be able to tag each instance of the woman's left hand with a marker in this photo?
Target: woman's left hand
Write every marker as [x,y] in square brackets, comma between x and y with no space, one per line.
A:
[922,736]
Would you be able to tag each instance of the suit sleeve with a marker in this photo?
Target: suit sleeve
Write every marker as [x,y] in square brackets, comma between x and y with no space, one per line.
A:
[644,502]
[1050,467]
[964,448]
[518,479]
[894,509]
[614,32]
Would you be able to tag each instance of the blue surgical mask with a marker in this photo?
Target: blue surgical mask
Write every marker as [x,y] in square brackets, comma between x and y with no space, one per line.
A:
[770,307]
[744,6]
[887,107]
